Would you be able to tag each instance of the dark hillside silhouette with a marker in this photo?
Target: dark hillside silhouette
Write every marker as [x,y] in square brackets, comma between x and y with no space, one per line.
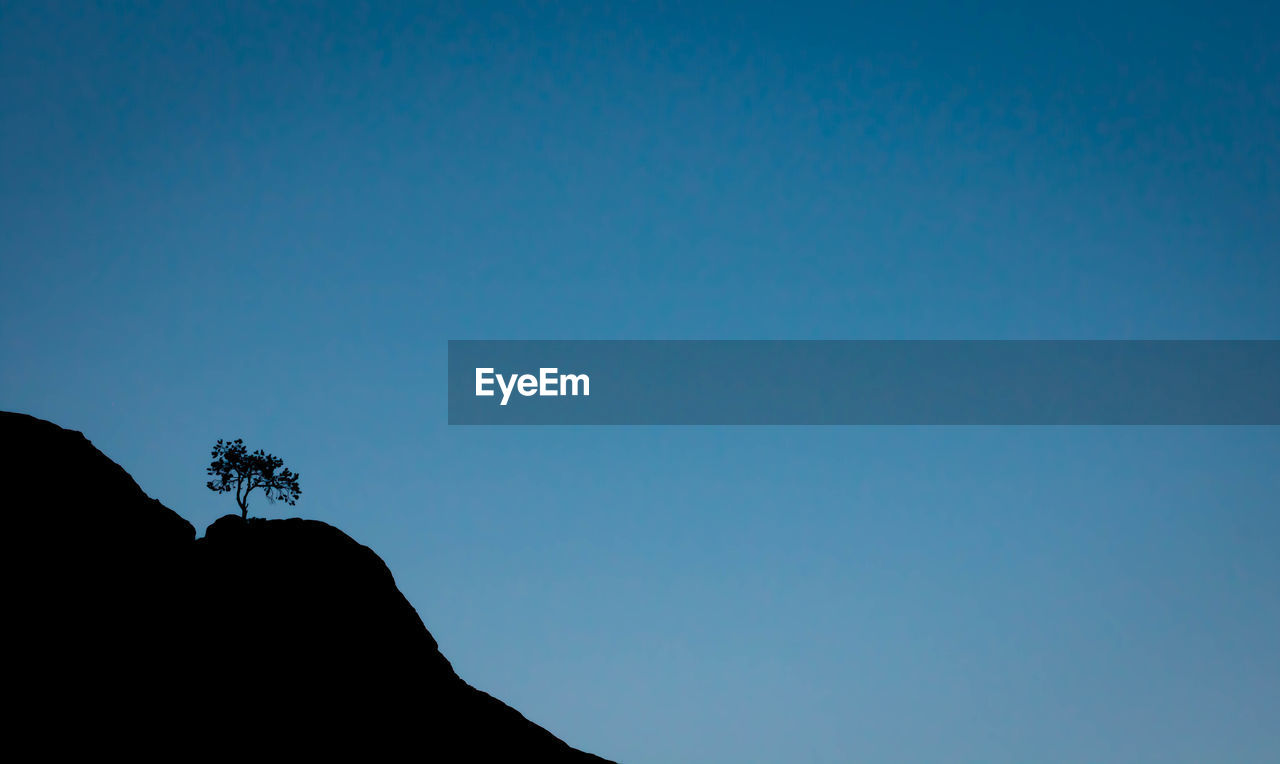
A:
[281,637]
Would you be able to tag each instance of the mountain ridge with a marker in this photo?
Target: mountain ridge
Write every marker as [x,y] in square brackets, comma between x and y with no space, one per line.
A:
[289,629]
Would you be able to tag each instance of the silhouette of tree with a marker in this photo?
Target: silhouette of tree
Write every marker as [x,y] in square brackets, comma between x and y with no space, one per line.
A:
[234,468]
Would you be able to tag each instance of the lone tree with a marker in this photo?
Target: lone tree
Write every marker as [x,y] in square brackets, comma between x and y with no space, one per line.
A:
[234,468]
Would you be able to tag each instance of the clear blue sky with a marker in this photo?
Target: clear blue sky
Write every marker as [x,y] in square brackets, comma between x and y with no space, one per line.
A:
[221,220]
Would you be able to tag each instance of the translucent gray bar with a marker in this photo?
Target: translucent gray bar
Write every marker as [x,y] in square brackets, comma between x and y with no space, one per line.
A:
[866,382]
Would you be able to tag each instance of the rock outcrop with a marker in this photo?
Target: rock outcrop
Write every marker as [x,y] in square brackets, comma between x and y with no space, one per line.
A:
[267,637]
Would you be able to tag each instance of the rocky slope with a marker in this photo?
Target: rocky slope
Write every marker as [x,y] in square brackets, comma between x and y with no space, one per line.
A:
[267,637]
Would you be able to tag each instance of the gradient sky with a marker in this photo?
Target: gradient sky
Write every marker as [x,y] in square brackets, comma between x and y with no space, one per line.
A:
[230,220]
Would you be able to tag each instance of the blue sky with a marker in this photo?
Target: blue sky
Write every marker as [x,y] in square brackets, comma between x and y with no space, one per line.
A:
[266,222]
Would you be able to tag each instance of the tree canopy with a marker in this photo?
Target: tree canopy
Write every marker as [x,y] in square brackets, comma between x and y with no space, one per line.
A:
[234,468]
